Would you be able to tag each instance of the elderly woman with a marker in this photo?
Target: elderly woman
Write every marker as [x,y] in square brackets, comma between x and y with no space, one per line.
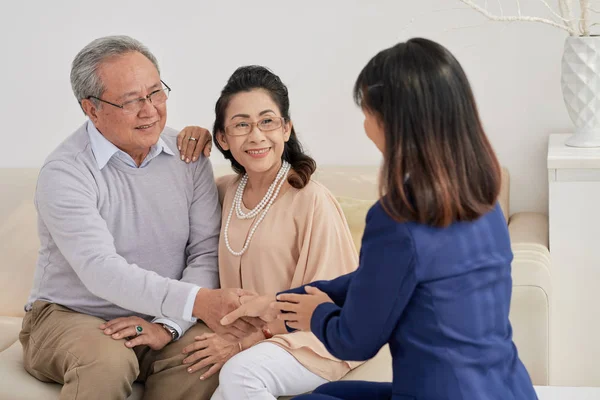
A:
[279,230]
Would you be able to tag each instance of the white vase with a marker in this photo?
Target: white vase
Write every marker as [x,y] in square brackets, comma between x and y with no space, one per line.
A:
[580,81]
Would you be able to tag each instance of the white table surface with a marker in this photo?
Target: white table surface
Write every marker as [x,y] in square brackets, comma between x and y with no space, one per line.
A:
[567,393]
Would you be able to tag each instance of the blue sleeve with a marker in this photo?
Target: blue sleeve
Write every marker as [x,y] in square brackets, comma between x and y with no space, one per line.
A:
[376,295]
[336,288]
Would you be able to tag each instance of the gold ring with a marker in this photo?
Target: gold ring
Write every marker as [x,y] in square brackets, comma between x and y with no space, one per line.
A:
[193,138]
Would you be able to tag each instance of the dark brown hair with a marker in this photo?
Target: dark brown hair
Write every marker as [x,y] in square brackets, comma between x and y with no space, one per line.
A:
[248,78]
[439,166]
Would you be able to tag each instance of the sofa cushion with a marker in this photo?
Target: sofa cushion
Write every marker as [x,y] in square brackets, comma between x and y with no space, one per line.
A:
[17,384]
[9,331]
[19,247]
[355,211]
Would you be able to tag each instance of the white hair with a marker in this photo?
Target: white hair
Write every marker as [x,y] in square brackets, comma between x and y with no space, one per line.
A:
[85,81]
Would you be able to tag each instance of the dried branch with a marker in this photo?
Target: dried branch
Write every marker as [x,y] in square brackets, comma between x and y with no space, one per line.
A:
[566,11]
[563,13]
[492,17]
[584,25]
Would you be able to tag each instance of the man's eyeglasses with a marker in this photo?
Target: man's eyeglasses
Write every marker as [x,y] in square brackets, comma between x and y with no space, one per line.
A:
[156,98]
[242,128]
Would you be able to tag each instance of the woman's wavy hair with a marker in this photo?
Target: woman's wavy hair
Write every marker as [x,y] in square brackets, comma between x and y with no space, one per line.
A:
[248,78]
[439,166]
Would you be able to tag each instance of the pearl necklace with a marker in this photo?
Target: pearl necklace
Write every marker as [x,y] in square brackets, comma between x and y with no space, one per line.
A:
[264,205]
[256,210]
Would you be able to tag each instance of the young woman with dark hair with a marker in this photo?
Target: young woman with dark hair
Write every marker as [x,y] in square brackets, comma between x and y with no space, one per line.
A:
[434,279]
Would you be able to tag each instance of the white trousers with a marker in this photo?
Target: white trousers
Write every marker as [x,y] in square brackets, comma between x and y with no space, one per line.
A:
[264,372]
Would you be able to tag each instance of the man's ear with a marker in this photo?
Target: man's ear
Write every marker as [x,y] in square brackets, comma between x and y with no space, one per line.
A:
[90,109]
[222,139]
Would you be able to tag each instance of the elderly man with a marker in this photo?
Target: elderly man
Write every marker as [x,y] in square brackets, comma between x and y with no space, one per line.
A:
[128,235]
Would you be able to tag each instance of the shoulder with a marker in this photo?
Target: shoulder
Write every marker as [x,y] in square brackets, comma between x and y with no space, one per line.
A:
[72,158]
[377,214]
[314,195]
[224,183]
[201,169]
[75,148]
[169,136]
[381,226]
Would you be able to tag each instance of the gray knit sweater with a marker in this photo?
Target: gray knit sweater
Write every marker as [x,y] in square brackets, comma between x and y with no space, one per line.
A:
[125,241]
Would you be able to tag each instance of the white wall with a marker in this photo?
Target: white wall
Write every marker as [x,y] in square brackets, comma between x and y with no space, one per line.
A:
[317,47]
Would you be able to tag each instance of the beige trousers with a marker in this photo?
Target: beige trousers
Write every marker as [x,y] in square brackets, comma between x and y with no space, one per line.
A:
[63,346]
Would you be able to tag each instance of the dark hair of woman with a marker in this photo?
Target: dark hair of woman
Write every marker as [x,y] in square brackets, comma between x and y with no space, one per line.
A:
[439,166]
[252,77]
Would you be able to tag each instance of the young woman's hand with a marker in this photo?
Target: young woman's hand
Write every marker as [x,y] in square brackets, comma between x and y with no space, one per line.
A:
[192,141]
[297,309]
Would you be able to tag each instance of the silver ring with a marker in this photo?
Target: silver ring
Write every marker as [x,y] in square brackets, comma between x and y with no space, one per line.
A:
[138,330]
[193,138]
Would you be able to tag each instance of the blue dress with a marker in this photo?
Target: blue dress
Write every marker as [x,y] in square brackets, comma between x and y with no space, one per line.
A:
[440,298]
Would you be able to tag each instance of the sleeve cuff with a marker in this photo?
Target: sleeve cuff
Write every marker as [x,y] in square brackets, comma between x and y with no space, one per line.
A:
[189,305]
[298,290]
[321,316]
[171,323]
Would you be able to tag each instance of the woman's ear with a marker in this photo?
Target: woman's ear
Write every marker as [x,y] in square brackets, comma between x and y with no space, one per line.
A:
[287,130]
[222,139]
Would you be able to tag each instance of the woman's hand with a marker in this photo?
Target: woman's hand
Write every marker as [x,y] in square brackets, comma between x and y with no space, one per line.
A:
[191,141]
[252,306]
[209,349]
[152,335]
[297,309]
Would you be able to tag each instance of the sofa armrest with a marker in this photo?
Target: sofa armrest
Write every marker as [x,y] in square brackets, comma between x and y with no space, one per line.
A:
[530,305]
[529,228]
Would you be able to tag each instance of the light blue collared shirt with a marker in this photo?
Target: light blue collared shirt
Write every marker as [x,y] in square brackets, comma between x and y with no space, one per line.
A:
[104,150]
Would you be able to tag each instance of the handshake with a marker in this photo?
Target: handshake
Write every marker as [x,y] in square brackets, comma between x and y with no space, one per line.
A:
[234,314]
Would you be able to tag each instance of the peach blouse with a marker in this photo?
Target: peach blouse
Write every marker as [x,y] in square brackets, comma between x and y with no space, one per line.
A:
[303,238]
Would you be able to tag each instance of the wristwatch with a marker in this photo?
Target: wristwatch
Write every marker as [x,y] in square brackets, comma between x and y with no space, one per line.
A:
[172,331]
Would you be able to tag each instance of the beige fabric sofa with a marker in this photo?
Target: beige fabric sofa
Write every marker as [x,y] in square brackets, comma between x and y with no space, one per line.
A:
[355,188]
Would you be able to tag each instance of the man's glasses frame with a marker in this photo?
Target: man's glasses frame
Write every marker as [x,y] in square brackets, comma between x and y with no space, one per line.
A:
[134,106]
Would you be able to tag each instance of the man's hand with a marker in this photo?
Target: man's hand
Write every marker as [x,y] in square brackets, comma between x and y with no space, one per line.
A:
[253,306]
[153,335]
[191,141]
[297,309]
[211,305]
[209,349]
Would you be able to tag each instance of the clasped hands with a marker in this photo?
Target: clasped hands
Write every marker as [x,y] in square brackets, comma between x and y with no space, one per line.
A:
[214,349]
[295,309]
[233,314]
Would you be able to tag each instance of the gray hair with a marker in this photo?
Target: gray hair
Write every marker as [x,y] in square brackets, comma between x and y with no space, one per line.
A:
[84,70]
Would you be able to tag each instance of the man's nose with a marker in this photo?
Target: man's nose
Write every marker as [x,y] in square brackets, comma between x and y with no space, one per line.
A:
[148,109]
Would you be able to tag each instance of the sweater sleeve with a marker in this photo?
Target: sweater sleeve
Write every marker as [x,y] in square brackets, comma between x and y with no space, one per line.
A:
[66,200]
[202,266]
[205,225]
[377,293]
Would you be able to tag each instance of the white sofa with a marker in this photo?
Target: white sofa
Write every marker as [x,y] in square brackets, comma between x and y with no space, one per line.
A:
[355,187]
